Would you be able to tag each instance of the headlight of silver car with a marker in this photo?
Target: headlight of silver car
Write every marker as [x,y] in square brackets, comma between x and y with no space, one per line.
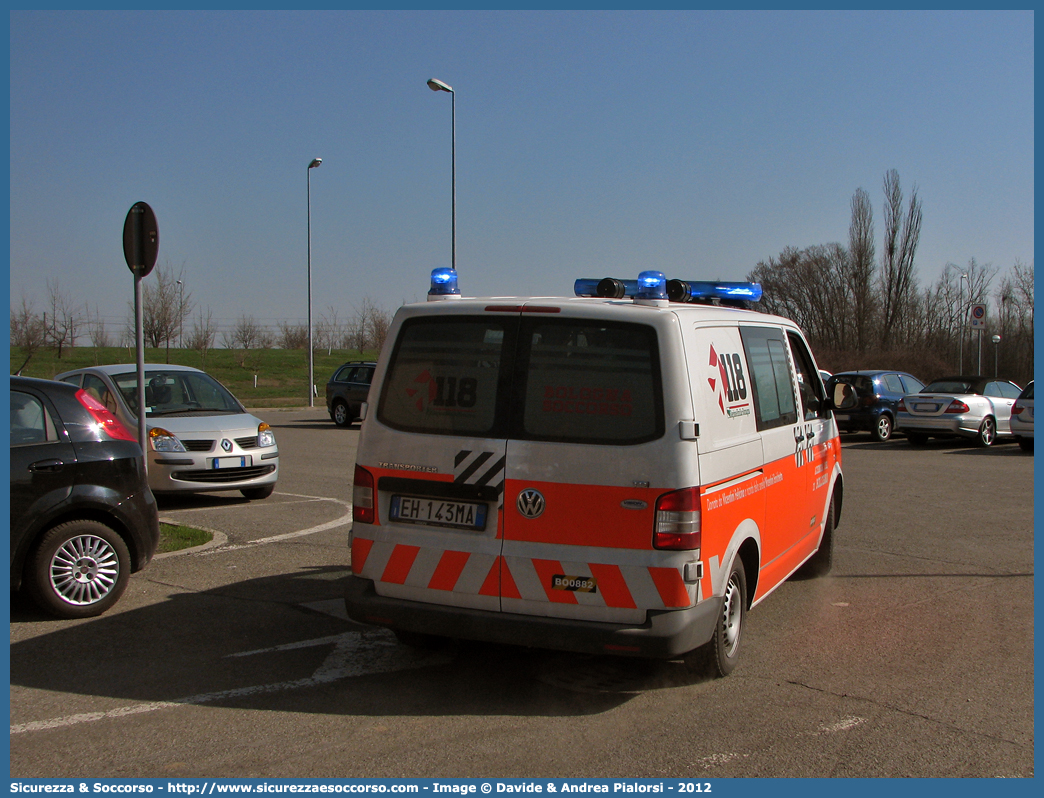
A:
[163,441]
[265,436]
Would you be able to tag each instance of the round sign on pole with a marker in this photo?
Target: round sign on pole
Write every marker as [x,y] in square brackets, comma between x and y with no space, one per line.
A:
[140,239]
[978,316]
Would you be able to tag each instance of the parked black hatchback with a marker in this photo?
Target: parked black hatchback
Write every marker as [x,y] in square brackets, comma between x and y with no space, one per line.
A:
[879,393]
[347,389]
[82,514]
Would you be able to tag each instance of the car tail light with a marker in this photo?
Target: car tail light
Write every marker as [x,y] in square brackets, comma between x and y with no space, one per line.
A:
[902,406]
[1016,409]
[677,525]
[364,510]
[108,423]
[957,406]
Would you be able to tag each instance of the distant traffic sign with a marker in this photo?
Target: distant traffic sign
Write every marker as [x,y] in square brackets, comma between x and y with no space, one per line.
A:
[140,239]
[978,316]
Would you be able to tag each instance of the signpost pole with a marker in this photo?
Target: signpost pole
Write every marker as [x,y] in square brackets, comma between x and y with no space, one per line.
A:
[139,337]
[140,247]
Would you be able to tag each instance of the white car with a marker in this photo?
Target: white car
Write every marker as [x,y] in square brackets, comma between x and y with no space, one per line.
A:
[200,438]
[966,407]
[1022,419]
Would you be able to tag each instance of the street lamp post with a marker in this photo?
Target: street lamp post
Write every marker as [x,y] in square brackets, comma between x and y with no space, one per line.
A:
[181,314]
[438,85]
[961,321]
[311,371]
[996,347]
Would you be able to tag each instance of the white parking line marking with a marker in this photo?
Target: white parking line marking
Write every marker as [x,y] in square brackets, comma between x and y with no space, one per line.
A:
[354,654]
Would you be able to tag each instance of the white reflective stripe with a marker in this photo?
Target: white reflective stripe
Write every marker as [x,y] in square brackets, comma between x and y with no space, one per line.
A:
[423,567]
[643,589]
[526,580]
[474,574]
[377,559]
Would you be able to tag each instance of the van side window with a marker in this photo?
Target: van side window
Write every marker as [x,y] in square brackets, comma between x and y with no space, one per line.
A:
[809,383]
[774,402]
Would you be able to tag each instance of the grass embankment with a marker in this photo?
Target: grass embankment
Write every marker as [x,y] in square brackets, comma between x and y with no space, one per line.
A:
[174,537]
[258,378]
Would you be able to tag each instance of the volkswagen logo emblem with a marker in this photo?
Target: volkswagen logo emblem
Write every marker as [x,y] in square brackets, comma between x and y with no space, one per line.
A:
[226,444]
[530,503]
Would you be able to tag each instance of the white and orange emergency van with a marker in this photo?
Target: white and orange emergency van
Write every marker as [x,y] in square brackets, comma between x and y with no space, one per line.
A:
[625,471]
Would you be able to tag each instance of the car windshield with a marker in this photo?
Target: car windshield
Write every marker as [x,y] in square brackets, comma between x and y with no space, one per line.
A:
[951,386]
[1028,393]
[176,392]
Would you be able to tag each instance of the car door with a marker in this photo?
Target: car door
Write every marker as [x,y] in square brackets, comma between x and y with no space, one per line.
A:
[42,459]
[1002,396]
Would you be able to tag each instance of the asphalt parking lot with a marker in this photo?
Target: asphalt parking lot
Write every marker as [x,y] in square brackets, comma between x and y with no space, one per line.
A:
[913,658]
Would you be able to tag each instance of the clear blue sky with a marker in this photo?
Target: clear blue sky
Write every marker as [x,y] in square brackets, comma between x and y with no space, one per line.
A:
[589,143]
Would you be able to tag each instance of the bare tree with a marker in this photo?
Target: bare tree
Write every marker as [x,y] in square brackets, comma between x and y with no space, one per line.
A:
[329,331]
[65,319]
[28,331]
[292,336]
[376,322]
[860,268]
[164,307]
[96,329]
[902,234]
[201,339]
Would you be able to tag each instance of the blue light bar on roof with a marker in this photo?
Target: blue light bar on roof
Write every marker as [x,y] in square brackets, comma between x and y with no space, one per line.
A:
[677,290]
[694,291]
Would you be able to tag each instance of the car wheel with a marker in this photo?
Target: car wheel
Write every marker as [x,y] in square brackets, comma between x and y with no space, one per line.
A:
[1026,444]
[917,438]
[882,431]
[341,416]
[78,569]
[820,563]
[255,494]
[722,652]
[987,432]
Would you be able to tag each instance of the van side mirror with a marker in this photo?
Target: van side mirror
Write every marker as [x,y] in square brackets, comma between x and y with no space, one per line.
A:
[842,397]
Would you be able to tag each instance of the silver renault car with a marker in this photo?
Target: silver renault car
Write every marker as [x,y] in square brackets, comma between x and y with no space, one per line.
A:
[200,438]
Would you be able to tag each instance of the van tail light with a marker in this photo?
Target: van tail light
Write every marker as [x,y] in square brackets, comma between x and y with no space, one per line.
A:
[957,406]
[111,425]
[677,525]
[364,510]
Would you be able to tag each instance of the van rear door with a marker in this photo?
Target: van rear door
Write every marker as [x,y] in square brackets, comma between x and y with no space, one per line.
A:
[588,454]
[438,483]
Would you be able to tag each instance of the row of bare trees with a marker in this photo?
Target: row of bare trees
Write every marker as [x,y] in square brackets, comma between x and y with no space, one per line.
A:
[170,317]
[861,312]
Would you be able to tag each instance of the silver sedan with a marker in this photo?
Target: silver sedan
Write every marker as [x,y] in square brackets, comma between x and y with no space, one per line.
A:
[200,438]
[978,408]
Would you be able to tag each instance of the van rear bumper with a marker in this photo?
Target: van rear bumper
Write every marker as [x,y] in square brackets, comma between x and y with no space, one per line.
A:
[665,634]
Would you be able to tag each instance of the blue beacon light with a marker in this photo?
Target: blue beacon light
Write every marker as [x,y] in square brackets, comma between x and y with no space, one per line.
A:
[652,285]
[443,284]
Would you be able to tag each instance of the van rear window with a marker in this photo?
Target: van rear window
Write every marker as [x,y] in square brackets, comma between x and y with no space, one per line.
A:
[564,380]
[443,377]
[590,383]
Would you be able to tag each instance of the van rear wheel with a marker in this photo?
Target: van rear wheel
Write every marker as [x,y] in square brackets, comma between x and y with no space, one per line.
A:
[722,652]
